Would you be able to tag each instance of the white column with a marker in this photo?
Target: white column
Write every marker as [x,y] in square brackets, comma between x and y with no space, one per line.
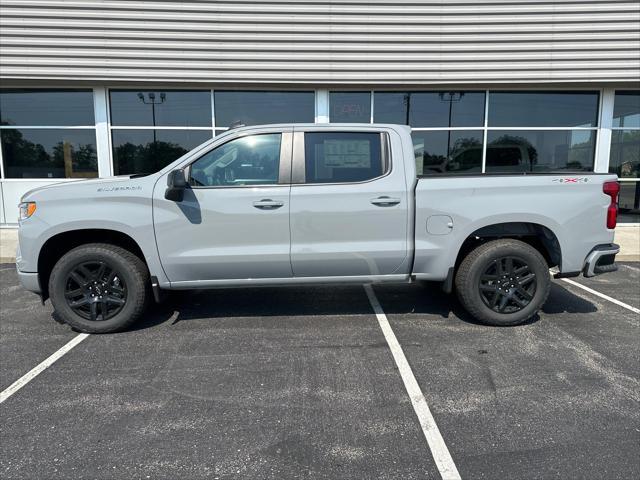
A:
[603,144]
[103,149]
[322,106]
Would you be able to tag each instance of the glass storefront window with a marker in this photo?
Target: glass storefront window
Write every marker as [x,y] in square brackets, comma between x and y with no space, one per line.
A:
[40,108]
[540,151]
[256,108]
[160,108]
[147,151]
[391,107]
[626,109]
[448,152]
[430,109]
[624,159]
[49,153]
[543,109]
[350,107]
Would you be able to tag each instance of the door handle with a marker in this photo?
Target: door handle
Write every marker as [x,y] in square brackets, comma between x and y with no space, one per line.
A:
[385,201]
[267,204]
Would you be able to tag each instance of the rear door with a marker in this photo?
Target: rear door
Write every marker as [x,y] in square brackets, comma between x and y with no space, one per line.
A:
[349,203]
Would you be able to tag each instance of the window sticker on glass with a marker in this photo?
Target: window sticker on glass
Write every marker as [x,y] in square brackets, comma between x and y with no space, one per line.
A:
[342,157]
[347,154]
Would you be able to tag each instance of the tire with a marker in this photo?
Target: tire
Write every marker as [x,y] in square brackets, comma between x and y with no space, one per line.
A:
[494,297]
[99,288]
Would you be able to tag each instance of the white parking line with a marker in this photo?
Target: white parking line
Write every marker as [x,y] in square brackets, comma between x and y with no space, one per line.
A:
[629,267]
[602,295]
[439,450]
[27,377]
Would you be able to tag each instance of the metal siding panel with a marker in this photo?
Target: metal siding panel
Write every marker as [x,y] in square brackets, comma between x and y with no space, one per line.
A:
[245,42]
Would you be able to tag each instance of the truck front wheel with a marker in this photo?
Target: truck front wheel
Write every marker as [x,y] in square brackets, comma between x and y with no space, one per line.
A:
[503,282]
[99,288]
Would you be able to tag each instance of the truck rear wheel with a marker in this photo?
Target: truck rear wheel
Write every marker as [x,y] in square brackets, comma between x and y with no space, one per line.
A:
[99,288]
[503,282]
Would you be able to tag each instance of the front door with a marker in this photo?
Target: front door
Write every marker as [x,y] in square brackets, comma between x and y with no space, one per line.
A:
[234,220]
[349,204]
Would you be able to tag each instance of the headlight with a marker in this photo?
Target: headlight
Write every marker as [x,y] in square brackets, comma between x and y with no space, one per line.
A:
[26,210]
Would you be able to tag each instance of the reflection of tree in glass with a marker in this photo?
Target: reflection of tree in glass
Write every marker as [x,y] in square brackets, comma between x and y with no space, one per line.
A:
[146,158]
[26,154]
[521,142]
[465,153]
[83,157]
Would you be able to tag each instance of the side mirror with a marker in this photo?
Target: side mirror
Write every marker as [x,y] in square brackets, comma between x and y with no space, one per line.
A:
[176,184]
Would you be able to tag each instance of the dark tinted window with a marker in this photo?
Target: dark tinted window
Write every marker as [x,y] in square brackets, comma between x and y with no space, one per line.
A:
[336,157]
[543,109]
[46,107]
[430,109]
[256,108]
[446,109]
[540,151]
[252,160]
[626,109]
[161,108]
[350,107]
[49,153]
[140,151]
[444,152]
[390,107]
[625,153]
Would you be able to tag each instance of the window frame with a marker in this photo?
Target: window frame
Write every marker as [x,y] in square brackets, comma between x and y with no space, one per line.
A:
[299,165]
[284,168]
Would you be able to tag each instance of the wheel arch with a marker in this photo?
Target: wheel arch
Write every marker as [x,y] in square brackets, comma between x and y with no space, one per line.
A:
[59,244]
[539,236]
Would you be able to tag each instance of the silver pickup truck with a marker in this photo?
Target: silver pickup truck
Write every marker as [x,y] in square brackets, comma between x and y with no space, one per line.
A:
[311,204]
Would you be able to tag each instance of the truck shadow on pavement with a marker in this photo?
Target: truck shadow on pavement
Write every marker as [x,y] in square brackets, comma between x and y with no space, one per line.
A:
[419,302]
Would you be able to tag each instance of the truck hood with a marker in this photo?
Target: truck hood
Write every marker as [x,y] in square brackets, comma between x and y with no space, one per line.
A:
[108,181]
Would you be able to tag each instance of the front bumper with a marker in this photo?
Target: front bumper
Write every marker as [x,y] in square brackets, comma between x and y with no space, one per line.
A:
[601,260]
[30,281]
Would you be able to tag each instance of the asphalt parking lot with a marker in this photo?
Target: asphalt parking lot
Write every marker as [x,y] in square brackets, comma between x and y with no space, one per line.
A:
[301,383]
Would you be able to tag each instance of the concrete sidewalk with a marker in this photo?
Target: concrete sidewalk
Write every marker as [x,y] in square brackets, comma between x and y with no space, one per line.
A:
[628,237]
[8,242]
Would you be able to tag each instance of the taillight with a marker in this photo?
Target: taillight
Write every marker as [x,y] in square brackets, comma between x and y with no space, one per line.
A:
[612,189]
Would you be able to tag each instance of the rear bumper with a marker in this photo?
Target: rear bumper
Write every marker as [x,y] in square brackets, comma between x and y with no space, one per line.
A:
[30,281]
[601,260]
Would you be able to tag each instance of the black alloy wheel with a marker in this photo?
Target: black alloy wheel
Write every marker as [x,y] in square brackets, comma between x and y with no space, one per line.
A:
[95,291]
[507,285]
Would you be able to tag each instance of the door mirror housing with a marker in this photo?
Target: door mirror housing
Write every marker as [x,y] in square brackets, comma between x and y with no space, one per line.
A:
[176,185]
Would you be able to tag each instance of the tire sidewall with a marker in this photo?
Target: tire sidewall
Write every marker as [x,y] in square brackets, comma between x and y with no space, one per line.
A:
[536,263]
[57,285]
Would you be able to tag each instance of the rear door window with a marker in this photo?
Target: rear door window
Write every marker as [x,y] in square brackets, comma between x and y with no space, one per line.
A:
[343,157]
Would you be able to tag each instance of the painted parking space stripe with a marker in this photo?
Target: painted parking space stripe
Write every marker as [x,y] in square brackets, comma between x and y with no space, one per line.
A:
[601,295]
[629,267]
[33,373]
[439,450]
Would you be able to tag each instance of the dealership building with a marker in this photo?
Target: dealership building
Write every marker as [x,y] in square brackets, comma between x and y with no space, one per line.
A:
[95,88]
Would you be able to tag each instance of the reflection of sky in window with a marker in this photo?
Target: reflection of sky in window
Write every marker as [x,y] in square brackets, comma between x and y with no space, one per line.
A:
[632,120]
[580,136]
[46,107]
